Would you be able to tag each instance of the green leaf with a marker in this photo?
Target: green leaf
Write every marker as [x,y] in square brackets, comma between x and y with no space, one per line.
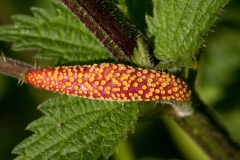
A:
[57,34]
[78,128]
[177,29]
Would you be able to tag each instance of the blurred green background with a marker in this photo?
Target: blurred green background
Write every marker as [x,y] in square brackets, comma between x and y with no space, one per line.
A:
[217,83]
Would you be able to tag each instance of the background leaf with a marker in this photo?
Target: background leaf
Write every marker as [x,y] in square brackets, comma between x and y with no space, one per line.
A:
[219,76]
[78,128]
[177,29]
[57,34]
[136,11]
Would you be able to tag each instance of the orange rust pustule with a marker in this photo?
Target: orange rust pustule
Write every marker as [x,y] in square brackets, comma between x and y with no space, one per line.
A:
[110,82]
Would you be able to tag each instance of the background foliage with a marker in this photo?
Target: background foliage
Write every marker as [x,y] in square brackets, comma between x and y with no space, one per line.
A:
[217,83]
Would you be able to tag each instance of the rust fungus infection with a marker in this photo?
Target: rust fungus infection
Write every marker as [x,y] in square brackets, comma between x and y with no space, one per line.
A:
[110,82]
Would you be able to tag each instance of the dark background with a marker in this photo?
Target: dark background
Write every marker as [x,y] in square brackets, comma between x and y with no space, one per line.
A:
[217,83]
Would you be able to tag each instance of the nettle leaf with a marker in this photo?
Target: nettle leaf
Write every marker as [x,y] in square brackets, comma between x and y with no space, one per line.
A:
[57,34]
[78,128]
[177,29]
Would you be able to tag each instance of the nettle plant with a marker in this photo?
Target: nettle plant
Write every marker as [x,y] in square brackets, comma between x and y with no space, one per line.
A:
[100,103]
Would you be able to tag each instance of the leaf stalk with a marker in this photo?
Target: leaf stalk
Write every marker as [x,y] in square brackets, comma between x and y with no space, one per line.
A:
[14,68]
[207,131]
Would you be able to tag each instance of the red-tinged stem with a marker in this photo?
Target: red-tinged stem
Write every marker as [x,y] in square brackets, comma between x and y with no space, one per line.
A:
[202,126]
[109,25]
[207,131]
[13,67]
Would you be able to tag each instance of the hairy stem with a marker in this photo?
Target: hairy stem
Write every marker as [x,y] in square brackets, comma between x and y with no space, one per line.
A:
[204,127]
[108,24]
[13,67]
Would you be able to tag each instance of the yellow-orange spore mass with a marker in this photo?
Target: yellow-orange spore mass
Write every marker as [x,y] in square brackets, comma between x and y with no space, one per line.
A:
[110,82]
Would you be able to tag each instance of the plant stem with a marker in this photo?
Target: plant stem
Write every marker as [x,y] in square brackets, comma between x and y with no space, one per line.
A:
[109,25]
[13,67]
[204,127]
